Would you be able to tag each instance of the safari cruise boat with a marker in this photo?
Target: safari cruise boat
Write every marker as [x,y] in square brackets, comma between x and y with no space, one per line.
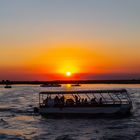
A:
[84,102]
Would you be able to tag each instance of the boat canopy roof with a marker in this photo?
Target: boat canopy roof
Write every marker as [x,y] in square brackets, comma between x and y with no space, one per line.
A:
[84,91]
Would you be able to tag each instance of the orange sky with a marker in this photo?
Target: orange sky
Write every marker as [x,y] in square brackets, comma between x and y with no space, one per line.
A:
[53,62]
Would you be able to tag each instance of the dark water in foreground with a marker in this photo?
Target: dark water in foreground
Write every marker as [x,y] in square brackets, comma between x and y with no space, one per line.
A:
[19,122]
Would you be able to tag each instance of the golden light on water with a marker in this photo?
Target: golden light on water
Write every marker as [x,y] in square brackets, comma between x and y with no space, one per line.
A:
[68,85]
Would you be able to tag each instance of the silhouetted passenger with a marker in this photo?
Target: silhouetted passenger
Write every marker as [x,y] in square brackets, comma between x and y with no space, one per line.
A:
[50,102]
[85,101]
[100,101]
[82,100]
[45,101]
[69,102]
[56,100]
[62,99]
[76,99]
[93,101]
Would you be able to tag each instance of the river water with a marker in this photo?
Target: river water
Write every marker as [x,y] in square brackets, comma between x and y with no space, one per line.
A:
[18,122]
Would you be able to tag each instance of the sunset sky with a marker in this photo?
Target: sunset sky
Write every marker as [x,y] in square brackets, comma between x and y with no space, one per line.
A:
[92,39]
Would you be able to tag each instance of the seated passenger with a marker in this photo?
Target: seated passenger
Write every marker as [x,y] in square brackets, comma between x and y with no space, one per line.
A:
[93,101]
[56,100]
[85,101]
[69,102]
[100,101]
[50,102]
[45,101]
[82,100]
[62,99]
[76,98]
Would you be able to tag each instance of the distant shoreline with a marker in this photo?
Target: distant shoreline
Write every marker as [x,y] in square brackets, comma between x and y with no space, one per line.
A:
[75,82]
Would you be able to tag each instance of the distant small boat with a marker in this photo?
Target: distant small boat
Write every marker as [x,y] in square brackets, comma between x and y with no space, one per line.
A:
[8,86]
[74,85]
[50,85]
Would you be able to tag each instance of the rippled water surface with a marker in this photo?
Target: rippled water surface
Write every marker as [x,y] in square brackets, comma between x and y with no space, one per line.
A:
[17,120]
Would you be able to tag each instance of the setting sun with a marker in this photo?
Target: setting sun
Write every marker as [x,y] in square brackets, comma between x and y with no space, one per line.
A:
[68,73]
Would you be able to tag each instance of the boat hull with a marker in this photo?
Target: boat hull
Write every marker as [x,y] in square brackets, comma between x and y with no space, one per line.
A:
[86,111]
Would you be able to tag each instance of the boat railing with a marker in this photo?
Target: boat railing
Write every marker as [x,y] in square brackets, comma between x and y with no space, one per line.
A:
[83,105]
[99,97]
